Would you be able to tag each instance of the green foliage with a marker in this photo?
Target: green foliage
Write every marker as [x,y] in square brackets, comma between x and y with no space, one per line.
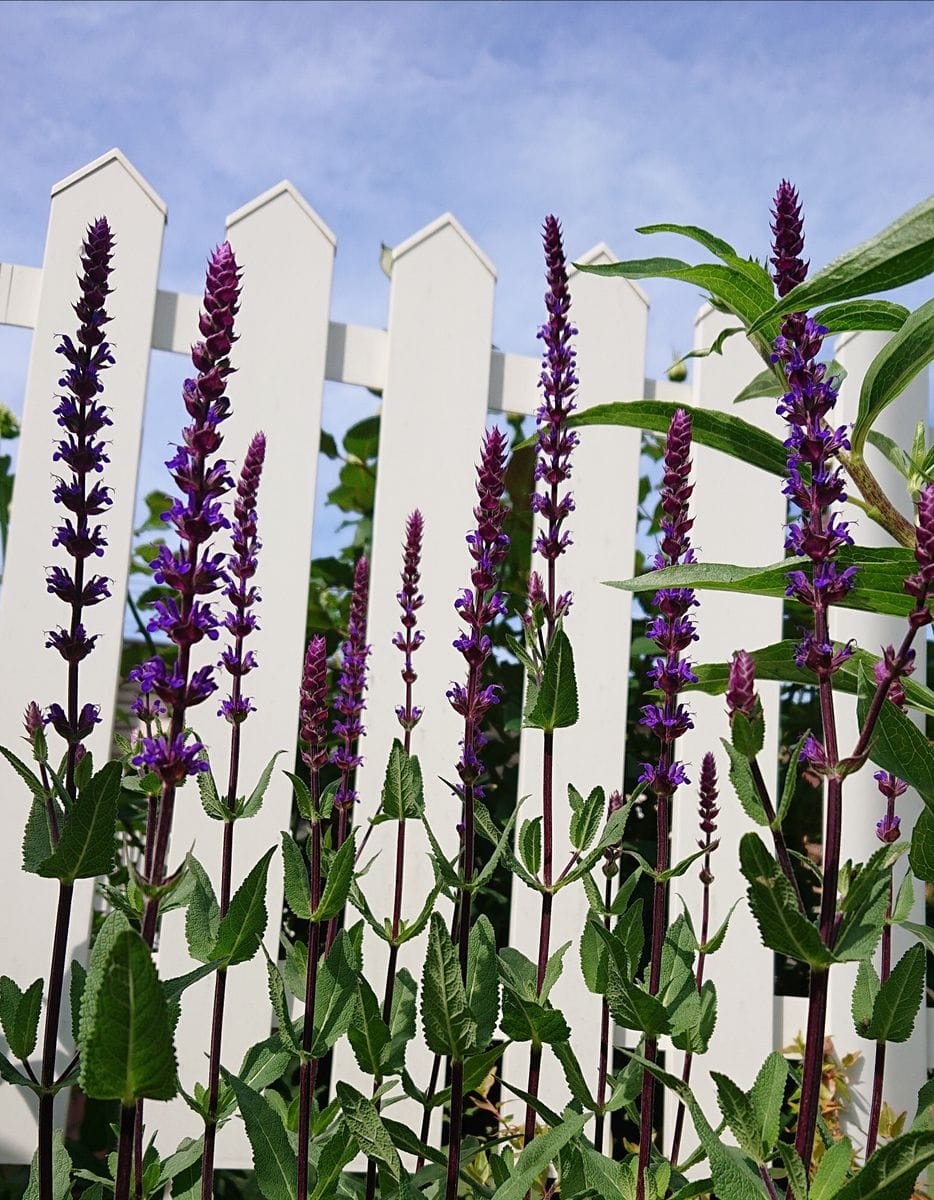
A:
[553,704]
[403,793]
[273,1158]
[86,848]
[781,924]
[19,1015]
[448,1024]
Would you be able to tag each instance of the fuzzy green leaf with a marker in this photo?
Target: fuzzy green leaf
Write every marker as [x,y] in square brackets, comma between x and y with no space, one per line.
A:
[832,1171]
[297,886]
[202,916]
[367,1129]
[403,793]
[273,1158]
[368,1033]
[767,1096]
[401,1022]
[483,980]
[61,1172]
[19,1015]
[241,930]
[250,806]
[530,844]
[127,1053]
[744,785]
[555,701]
[336,993]
[536,1156]
[585,820]
[737,1109]
[898,745]
[280,1007]
[86,848]
[899,999]
[893,1170]
[337,885]
[446,1018]
[37,837]
[865,991]
[211,802]
[921,855]
[782,926]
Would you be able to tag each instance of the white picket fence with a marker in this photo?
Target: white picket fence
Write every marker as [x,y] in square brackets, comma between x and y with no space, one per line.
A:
[439,379]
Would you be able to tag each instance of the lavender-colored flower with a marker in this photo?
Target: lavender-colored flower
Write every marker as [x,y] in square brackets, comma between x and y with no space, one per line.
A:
[75,731]
[241,567]
[351,685]
[888,828]
[313,705]
[672,629]
[82,416]
[812,443]
[193,571]
[33,721]
[477,607]
[741,693]
[408,639]
[821,657]
[558,382]
[890,785]
[171,759]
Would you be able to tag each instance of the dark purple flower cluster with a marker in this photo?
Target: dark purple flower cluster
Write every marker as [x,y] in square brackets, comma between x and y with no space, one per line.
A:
[313,705]
[351,685]
[488,546]
[921,584]
[707,811]
[241,567]
[82,417]
[194,572]
[408,639]
[558,382]
[672,629]
[887,829]
[814,484]
[741,688]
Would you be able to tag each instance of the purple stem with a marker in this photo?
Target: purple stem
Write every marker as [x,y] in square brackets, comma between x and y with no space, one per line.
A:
[778,837]
[878,1071]
[603,1065]
[308,1068]
[125,1152]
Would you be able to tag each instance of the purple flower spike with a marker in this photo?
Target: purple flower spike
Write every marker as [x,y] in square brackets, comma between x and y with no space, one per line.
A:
[920,584]
[741,695]
[313,705]
[887,829]
[672,629]
[408,639]
[488,546]
[708,812]
[788,229]
[171,759]
[558,382]
[241,567]
[351,685]
[82,416]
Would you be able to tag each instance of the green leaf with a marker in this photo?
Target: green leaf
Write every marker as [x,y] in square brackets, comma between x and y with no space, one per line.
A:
[852,315]
[362,439]
[881,573]
[61,1172]
[832,1170]
[891,1173]
[76,994]
[367,1129]
[719,431]
[482,980]
[126,1050]
[744,784]
[629,1003]
[240,932]
[766,383]
[767,1096]
[254,802]
[210,797]
[899,999]
[892,451]
[594,958]
[28,776]
[921,855]
[709,241]
[791,779]
[904,900]
[555,701]
[336,992]
[529,1019]
[403,796]
[273,1159]
[368,1033]
[486,826]
[530,844]
[280,1007]
[86,848]
[574,1075]
[901,253]
[865,991]
[401,1021]
[748,733]
[202,916]
[337,885]
[37,837]
[864,906]
[794,1168]
[737,1108]
[893,368]
[19,1015]
[297,886]
[537,1155]
[782,926]
[301,793]
[898,745]
[446,1018]
[585,820]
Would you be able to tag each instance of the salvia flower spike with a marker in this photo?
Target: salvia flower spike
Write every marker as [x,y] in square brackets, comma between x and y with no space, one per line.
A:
[313,706]
[409,637]
[351,684]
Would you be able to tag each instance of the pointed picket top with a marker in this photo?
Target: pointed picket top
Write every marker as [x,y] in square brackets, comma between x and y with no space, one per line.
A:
[601,255]
[105,160]
[284,187]
[444,221]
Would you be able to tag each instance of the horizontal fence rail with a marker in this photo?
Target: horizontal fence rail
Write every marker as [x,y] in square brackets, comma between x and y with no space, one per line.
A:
[439,380]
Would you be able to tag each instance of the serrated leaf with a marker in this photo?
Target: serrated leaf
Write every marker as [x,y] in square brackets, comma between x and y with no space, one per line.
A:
[301,793]
[19,1015]
[782,926]
[865,991]
[594,958]
[767,1096]
[574,1075]
[744,784]
[891,1173]
[899,999]
[87,844]
[411,929]
[500,844]
[367,1129]
[585,821]
[368,1033]
[537,1155]
[273,1158]
[794,1169]
[483,980]
[61,1172]
[864,906]
[530,844]
[297,887]
[336,993]
[401,1021]
[402,796]
[202,916]
[921,855]
[739,1114]
[280,1007]
[337,885]
[832,1170]
[241,930]
[555,701]
[629,1003]
[25,773]
[37,837]
[114,924]
[254,802]
[898,745]
[446,1019]
[211,802]
[127,1052]
[904,900]
[76,994]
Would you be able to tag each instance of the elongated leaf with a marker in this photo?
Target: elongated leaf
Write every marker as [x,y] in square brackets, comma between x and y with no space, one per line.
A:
[402,786]
[720,431]
[739,1113]
[483,980]
[536,1156]
[203,914]
[899,998]
[901,253]
[852,315]
[28,776]
[921,855]
[529,1019]
[87,844]
[254,802]
[19,1015]
[891,1173]
[337,885]
[864,906]
[555,701]
[368,1033]
[881,572]
[893,368]
[767,1096]
[401,1021]
[210,797]
[280,1007]
[127,1052]
[241,930]
[529,843]
[61,1172]
[833,1169]
[273,1159]
[709,241]
[336,993]
[898,745]
[782,926]
[37,837]
[585,821]
[744,784]
[367,1129]
[865,991]
[446,1018]
[297,886]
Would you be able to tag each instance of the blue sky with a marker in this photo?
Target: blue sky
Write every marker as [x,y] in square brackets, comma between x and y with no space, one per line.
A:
[386,114]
